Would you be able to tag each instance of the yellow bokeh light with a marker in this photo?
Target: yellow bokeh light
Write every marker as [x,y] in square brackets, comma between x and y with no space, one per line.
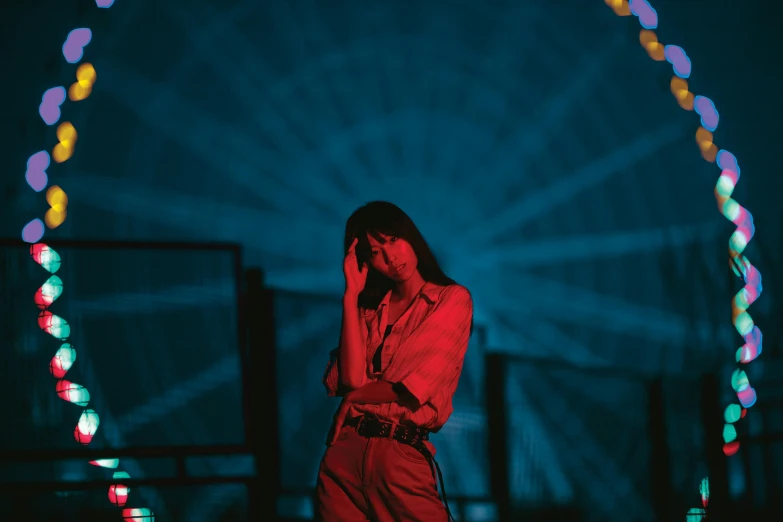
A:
[61,153]
[649,41]
[53,218]
[678,84]
[86,74]
[656,51]
[85,79]
[647,37]
[620,7]
[79,92]
[66,133]
[709,151]
[57,198]
[684,97]
[703,134]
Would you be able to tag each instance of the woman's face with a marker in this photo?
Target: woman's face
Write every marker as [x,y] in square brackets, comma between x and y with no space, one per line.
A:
[393,258]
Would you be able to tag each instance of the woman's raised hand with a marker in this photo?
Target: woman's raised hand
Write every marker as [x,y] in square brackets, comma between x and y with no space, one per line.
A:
[355,277]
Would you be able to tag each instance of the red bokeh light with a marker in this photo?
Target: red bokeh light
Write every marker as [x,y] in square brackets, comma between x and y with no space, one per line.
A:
[118,494]
[731,448]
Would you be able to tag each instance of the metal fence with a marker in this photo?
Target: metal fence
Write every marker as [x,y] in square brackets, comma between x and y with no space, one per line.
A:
[146,320]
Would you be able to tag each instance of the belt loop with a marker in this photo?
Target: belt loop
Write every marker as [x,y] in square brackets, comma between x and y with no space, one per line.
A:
[392,430]
[359,424]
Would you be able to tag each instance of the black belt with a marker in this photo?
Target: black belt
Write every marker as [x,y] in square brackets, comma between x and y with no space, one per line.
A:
[371,426]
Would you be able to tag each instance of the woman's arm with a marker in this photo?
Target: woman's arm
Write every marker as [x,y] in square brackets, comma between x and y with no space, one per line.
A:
[352,361]
[378,392]
[381,392]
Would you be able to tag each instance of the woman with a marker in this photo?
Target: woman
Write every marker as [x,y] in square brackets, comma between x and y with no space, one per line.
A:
[404,334]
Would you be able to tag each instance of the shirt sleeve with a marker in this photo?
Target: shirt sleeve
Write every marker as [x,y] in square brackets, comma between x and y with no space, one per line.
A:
[331,378]
[439,345]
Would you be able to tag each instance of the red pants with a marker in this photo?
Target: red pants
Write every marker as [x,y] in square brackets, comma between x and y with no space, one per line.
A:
[376,479]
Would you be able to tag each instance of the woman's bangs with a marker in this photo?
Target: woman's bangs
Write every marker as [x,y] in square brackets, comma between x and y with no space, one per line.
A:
[387,226]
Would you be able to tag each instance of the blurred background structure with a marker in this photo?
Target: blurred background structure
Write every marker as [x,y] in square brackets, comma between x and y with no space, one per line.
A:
[535,144]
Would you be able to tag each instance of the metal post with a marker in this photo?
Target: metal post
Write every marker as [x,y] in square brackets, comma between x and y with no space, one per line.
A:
[660,458]
[497,429]
[261,376]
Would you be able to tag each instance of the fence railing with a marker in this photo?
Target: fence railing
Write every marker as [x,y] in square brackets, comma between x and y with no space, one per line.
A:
[641,418]
[255,350]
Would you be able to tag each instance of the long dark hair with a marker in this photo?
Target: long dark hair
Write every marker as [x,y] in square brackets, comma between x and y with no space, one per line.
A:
[382,217]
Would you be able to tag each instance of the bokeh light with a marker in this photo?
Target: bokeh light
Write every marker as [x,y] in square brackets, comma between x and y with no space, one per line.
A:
[731,448]
[33,231]
[35,175]
[708,149]
[58,201]
[684,97]
[705,108]
[739,380]
[77,40]
[138,515]
[87,426]
[48,258]
[730,209]
[118,494]
[648,17]
[37,178]
[676,56]
[649,41]
[62,361]
[747,397]
[49,109]
[48,292]
[54,325]
[72,392]
[106,463]
[732,413]
[704,490]
[67,136]
[620,7]
[85,79]
[729,433]
[696,515]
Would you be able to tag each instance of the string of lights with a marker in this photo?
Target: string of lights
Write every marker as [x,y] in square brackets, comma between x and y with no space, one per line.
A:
[50,111]
[731,210]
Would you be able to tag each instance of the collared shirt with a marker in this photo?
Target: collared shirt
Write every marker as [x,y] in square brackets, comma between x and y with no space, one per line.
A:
[424,351]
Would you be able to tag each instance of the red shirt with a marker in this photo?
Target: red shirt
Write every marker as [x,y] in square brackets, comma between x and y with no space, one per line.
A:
[424,351]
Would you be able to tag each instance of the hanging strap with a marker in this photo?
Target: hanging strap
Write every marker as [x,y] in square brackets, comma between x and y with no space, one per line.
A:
[419,445]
